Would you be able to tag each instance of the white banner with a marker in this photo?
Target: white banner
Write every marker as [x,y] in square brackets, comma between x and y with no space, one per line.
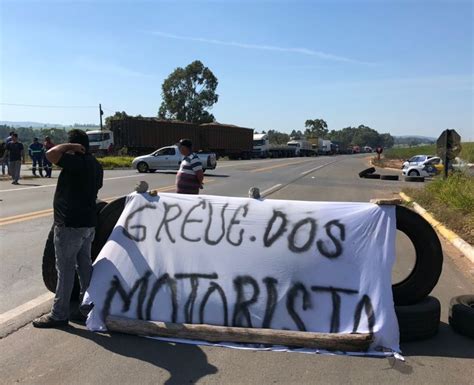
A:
[314,266]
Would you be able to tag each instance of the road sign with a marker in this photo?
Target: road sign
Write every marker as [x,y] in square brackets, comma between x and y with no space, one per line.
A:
[448,145]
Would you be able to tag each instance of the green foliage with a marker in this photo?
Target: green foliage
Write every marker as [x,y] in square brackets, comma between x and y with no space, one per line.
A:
[296,134]
[316,128]
[360,136]
[467,152]
[407,152]
[451,201]
[117,116]
[111,162]
[276,137]
[26,134]
[413,140]
[188,93]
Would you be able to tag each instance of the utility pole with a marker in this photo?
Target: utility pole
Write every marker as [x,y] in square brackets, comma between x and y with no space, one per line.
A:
[100,114]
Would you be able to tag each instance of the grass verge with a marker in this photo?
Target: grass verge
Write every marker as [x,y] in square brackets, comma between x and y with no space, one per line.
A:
[111,162]
[467,152]
[451,201]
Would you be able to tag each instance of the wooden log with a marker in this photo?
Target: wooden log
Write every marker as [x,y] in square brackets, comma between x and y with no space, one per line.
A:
[389,201]
[327,341]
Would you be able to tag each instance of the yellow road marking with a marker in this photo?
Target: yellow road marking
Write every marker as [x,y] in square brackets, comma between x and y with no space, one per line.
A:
[277,165]
[44,213]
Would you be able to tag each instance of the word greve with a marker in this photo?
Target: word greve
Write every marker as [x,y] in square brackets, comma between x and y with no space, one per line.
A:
[223,225]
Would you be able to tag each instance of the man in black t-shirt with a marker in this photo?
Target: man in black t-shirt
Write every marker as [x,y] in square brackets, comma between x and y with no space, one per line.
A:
[75,219]
[15,153]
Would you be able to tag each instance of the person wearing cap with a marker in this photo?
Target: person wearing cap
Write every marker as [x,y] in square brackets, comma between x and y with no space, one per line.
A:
[36,152]
[190,175]
[48,166]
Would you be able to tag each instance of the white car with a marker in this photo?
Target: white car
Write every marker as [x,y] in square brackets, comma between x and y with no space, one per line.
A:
[429,167]
[169,158]
[416,160]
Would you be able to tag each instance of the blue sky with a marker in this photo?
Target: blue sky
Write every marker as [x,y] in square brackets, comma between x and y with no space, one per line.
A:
[404,67]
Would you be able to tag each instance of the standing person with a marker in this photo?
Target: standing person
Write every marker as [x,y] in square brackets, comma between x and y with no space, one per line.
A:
[8,139]
[48,166]
[75,219]
[15,153]
[36,152]
[3,161]
[190,175]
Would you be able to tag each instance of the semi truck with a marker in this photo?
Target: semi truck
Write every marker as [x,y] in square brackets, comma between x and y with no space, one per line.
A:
[145,135]
[263,149]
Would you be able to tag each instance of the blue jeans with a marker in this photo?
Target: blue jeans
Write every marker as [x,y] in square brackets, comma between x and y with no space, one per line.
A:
[73,252]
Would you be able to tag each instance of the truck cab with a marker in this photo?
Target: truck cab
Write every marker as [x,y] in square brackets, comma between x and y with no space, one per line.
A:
[303,147]
[101,141]
[261,145]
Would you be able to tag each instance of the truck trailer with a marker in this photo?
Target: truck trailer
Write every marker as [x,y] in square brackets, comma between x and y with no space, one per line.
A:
[144,135]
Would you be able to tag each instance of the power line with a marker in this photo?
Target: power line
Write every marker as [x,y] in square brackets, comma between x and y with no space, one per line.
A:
[43,105]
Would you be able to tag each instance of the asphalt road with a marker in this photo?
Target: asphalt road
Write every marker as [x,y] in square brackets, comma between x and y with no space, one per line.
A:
[75,355]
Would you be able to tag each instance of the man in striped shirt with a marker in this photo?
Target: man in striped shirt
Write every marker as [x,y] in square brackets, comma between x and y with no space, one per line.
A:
[190,174]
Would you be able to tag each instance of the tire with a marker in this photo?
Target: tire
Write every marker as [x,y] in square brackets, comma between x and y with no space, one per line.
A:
[429,258]
[367,171]
[413,173]
[108,217]
[372,176]
[461,315]
[389,177]
[414,179]
[142,167]
[48,267]
[151,170]
[419,321]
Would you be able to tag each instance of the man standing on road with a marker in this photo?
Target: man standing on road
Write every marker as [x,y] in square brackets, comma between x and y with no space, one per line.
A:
[48,166]
[15,153]
[36,152]
[75,219]
[190,175]
[3,161]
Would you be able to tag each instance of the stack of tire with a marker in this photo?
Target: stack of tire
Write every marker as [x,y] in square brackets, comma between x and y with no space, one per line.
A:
[369,173]
[418,313]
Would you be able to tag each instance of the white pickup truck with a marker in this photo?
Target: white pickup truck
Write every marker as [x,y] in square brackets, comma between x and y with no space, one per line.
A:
[169,158]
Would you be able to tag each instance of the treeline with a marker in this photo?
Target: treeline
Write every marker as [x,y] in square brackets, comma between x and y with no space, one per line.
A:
[361,136]
[26,134]
[412,141]
[348,136]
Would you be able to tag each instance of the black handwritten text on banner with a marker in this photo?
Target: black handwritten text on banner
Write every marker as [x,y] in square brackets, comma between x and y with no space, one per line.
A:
[314,266]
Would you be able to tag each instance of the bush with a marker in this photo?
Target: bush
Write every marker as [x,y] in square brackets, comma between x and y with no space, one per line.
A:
[111,162]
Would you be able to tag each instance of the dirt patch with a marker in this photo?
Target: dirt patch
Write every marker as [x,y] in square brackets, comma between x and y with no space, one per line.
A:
[388,163]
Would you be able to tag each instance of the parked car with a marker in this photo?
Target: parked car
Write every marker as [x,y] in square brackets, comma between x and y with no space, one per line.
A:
[169,158]
[416,160]
[430,167]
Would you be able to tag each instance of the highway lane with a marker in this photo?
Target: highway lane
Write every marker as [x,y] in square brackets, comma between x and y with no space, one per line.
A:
[77,356]
[26,214]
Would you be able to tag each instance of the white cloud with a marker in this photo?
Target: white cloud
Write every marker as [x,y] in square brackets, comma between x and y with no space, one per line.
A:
[296,50]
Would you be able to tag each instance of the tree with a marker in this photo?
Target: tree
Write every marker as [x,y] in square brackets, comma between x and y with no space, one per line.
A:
[316,128]
[276,137]
[117,116]
[188,93]
[296,135]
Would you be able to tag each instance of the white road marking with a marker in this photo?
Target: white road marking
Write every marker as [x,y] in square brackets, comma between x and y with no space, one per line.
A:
[317,168]
[9,315]
[139,175]
[270,190]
